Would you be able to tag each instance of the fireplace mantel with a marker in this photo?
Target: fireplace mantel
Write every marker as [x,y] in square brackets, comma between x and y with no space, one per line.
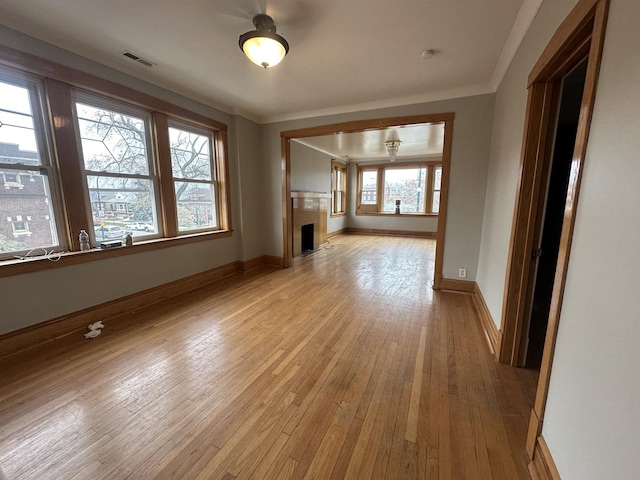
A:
[309,208]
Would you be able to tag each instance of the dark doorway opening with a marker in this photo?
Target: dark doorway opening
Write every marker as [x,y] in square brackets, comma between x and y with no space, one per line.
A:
[307,237]
[552,211]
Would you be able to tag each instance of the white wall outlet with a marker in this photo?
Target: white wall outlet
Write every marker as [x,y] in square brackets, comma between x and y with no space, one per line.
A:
[462,273]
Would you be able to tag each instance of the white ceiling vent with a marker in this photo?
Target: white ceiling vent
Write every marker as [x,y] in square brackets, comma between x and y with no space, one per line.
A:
[137,58]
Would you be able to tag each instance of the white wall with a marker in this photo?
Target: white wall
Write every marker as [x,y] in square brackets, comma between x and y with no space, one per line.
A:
[592,421]
[470,149]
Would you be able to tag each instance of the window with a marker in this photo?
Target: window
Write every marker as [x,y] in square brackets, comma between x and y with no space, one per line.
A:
[412,188]
[406,186]
[20,228]
[122,166]
[25,169]
[435,198]
[194,178]
[338,188]
[119,174]
[369,187]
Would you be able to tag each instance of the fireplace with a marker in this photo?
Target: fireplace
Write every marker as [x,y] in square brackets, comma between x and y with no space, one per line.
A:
[309,221]
[306,239]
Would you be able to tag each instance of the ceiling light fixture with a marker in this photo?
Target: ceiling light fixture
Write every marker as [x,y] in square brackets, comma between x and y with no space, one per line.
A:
[392,148]
[264,46]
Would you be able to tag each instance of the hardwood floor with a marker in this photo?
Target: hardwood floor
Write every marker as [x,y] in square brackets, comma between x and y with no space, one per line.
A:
[347,365]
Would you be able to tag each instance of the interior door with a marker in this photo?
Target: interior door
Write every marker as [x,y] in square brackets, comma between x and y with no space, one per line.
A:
[551,214]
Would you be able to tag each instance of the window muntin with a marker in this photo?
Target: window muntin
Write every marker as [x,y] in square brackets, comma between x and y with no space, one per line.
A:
[25,170]
[193,171]
[118,167]
[407,185]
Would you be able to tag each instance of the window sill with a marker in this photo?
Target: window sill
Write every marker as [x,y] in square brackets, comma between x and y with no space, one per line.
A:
[35,264]
[389,214]
[341,214]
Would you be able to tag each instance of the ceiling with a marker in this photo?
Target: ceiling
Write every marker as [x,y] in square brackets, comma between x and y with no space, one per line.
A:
[346,55]
[418,141]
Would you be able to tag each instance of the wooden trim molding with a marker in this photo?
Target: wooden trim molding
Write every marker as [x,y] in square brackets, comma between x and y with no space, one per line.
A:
[274,261]
[462,286]
[360,126]
[300,194]
[248,265]
[36,264]
[336,233]
[444,202]
[542,466]
[584,27]
[491,332]
[38,334]
[75,322]
[397,233]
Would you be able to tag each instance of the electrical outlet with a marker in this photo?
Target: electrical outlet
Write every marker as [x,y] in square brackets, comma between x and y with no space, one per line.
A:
[462,273]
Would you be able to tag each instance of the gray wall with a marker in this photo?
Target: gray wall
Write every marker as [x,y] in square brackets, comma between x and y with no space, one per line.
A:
[311,172]
[247,220]
[310,169]
[591,424]
[470,150]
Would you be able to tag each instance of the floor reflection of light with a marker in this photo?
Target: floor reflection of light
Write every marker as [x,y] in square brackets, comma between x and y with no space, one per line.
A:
[143,381]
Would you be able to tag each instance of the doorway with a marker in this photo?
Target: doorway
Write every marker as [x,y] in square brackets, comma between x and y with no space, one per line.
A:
[575,47]
[551,215]
[360,126]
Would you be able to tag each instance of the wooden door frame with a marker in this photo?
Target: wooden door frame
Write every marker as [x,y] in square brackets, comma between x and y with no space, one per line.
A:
[580,35]
[361,126]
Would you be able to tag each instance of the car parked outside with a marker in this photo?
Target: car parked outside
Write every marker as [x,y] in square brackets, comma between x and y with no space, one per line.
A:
[141,227]
[109,232]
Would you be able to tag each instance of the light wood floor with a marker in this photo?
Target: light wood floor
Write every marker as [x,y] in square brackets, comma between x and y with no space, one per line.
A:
[347,365]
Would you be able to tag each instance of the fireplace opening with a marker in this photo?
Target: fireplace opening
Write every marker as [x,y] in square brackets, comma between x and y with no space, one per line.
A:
[307,237]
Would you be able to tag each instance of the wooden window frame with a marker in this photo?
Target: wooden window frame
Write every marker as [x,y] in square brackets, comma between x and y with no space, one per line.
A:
[100,102]
[36,88]
[366,209]
[59,84]
[217,172]
[338,210]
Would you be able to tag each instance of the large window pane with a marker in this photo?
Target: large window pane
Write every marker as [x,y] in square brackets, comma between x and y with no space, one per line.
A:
[196,206]
[27,219]
[369,187]
[406,185]
[118,172]
[194,179]
[190,155]
[112,142]
[26,212]
[121,205]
